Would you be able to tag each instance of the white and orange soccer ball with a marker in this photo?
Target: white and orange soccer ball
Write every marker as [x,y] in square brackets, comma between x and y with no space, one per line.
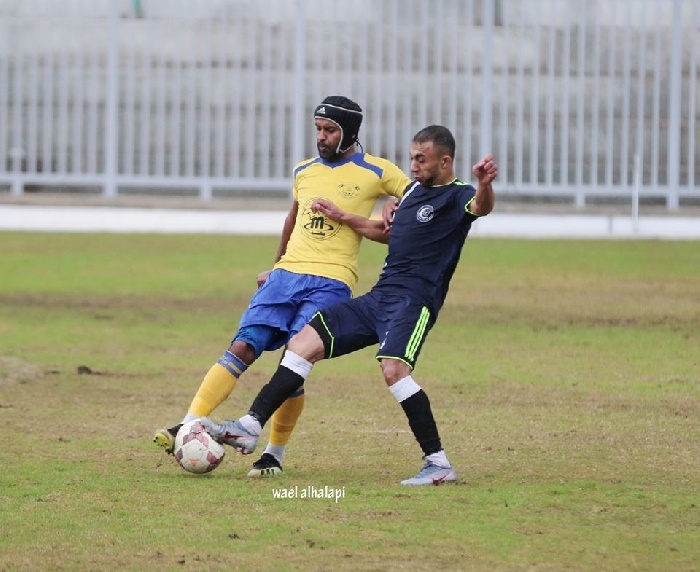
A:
[195,450]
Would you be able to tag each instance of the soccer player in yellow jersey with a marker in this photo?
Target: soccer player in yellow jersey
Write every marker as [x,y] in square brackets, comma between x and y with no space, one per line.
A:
[316,266]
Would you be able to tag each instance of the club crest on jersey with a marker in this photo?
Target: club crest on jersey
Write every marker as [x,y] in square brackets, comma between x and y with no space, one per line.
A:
[348,190]
[425,213]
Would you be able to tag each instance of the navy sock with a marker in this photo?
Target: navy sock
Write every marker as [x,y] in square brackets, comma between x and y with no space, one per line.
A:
[422,422]
[274,393]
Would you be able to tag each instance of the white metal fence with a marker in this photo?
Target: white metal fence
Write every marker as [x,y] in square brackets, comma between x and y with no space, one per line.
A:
[576,98]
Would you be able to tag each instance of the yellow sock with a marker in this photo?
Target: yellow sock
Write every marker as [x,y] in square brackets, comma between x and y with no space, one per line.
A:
[216,386]
[285,419]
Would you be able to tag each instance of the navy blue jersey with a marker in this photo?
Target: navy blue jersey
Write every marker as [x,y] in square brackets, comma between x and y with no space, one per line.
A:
[426,240]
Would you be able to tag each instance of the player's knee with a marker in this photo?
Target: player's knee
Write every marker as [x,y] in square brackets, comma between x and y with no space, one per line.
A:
[394,370]
[308,344]
[243,351]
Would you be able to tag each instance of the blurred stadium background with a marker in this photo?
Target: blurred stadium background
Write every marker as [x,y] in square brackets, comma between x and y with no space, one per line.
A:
[585,103]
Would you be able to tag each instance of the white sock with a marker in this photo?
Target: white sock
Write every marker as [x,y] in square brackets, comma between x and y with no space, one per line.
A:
[404,388]
[251,424]
[439,459]
[277,451]
[296,363]
[189,417]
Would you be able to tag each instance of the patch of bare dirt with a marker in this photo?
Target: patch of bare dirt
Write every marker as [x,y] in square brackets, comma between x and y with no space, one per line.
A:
[14,370]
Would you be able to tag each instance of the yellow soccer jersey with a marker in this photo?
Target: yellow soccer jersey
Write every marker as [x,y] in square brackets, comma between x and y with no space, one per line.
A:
[324,247]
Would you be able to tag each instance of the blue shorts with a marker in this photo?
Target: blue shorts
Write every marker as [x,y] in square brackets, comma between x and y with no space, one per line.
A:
[283,305]
[397,323]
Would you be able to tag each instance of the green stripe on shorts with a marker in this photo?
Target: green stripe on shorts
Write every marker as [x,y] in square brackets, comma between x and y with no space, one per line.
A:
[418,333]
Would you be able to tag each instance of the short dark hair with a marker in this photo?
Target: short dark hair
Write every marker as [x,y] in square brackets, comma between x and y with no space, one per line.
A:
[439,136]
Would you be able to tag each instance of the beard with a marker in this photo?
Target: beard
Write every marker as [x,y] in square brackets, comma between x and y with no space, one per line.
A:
[327,154]
[427,181]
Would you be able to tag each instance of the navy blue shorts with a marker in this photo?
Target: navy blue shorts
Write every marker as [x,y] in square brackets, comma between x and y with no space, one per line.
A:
[397,323]
[283,305]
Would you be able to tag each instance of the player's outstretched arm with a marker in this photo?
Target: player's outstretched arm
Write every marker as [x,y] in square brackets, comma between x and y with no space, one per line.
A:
[369,228]
[485,172]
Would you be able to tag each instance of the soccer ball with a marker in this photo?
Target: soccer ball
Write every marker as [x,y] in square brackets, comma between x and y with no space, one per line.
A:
[195,450]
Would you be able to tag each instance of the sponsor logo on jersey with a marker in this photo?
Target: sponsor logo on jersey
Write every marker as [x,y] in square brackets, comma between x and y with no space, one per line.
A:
[316,225]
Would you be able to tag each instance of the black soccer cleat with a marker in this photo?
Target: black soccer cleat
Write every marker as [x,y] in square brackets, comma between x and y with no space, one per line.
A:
[266,466]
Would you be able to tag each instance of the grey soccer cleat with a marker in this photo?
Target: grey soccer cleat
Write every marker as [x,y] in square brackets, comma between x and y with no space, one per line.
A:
[231,433]
[432,474]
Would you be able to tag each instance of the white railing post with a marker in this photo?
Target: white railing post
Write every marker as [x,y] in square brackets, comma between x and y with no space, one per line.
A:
[674,110]
[486,84]
[109,189]
[299,121]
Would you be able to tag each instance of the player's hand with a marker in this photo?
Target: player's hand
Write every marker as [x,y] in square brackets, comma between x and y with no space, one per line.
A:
[388,210]
[328,209]
[485,170]
[262,277]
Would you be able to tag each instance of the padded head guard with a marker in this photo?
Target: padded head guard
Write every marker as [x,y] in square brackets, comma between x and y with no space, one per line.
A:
[346,114]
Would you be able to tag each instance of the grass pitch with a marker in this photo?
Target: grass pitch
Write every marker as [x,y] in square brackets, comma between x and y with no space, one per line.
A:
[564,375]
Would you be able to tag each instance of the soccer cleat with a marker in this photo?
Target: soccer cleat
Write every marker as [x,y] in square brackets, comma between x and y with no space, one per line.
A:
[165,438]
[266,466]
[231,433]
[432,474]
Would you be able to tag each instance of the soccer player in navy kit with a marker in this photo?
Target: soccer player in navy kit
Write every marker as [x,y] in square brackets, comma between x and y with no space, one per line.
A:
[428,232]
